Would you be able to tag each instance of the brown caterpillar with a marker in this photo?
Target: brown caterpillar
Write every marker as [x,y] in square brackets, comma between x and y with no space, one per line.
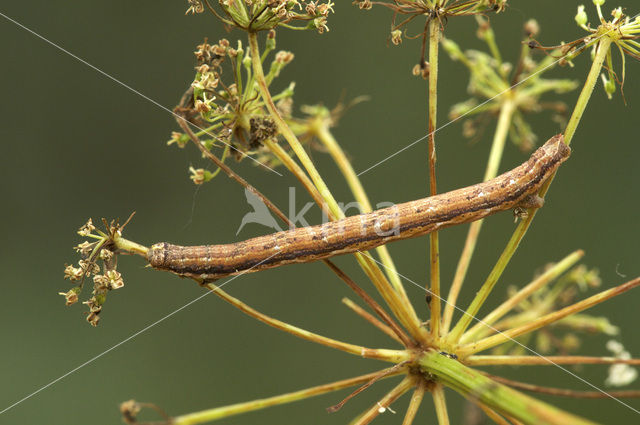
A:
[518,187]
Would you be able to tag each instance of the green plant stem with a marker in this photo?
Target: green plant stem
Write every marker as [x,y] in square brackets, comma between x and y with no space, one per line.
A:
[481,328]
[360,195]
[587,89]
[130,246]
[492,279]
[286,131]
[236,409]
[405,314]
[495,156]
[434,245]
[474,385]
[523,226]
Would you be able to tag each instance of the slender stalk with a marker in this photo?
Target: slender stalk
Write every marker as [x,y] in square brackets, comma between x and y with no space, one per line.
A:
[592,78]
[545,320]
[235,409]
[521,229]
[488,360]
[130,246]
[492,279]
[434,245]
[397,330]
[360,195]
[371,319]
[406,315]
[506,401]
[497,148]
[383,373]
[384,403]
[414,404]
[394,356]
[493,415]
[562,392]
[483,326]
[440,403]
[400,309]
[286,131]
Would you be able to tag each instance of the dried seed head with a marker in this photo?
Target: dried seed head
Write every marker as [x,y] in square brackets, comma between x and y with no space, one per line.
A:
[364,4]
[87,228]
[284,57]
[207,81]
[95,304]
[310,8]
[73,273]
[89,266]
[100,282]
[85,248]
[202,69]
[202,107]
[220,49]
[262,128]
[71,296]
[421,70]
[531,28]
[114,279]
[106,255]
[93,318]
[321,24]
[396,37]
[129,410]
[195,6]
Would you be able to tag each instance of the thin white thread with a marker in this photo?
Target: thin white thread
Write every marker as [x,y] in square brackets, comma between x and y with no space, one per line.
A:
[130,337]
[531,350]
[130,88]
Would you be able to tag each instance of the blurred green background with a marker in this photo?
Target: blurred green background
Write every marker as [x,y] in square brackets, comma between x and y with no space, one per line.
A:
[78,145]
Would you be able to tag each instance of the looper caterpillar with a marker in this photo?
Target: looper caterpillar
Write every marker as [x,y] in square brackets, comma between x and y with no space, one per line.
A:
[514,188]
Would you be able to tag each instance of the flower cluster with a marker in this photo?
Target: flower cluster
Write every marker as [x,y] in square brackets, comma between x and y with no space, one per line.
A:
[231,115]
[623,32]
[261,15]
[105,279]
[494,83]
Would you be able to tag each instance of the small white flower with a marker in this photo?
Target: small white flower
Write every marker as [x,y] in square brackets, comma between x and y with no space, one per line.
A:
[620,374]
